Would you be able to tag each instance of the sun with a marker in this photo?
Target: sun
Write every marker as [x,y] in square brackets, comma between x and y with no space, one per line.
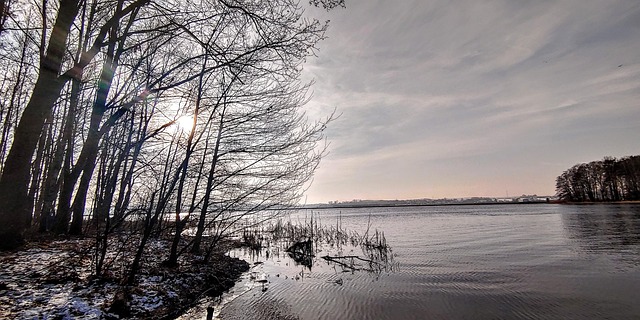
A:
[185,123]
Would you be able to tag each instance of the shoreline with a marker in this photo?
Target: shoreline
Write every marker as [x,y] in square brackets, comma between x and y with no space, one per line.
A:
[364,206]
[421,205]
[50,279]
[601,202]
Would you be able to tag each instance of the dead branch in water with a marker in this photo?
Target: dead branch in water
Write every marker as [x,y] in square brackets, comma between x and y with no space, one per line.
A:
[353,265]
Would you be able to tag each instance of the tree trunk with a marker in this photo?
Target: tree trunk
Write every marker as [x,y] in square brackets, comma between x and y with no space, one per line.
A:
[181,223]
[95,133]
[64,147]
[14,201]
[207,195]
[36,173]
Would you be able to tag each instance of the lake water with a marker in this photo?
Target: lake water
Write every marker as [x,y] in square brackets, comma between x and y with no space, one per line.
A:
[534,261]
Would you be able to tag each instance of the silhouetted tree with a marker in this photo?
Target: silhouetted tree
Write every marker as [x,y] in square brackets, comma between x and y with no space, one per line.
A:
[75,69]
[610,179]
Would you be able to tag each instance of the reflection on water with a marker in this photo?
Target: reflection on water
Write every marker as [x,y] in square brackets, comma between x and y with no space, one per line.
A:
[469,262]
[302,253]
[604,227]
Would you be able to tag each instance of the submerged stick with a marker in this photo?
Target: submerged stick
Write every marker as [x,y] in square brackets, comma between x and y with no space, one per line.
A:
[336,260]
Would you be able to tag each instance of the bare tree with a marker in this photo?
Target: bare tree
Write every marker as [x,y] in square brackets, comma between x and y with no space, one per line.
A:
[608,180]
[92,130]
[14,182]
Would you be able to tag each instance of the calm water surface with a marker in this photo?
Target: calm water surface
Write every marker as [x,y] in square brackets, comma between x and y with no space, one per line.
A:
[464,262]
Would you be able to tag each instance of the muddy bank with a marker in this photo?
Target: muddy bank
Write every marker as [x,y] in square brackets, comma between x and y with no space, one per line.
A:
[52,279]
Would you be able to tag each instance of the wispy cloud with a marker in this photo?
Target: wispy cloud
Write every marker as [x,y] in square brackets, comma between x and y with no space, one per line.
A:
[440,84]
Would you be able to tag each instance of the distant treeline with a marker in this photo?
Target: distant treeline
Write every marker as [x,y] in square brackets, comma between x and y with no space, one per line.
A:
[609,179]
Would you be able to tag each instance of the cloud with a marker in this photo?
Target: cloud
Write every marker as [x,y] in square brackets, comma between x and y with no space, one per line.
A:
[440,84]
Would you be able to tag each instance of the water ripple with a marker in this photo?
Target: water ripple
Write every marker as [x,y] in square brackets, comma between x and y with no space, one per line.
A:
[471,262]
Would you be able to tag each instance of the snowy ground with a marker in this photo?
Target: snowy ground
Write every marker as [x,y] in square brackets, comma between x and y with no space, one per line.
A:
[52,280]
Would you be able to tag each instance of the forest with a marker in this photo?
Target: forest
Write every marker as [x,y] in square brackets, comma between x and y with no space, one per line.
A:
[609,179]
[131,120]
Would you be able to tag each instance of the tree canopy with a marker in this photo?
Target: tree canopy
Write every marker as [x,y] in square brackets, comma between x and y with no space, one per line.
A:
[179,113]
[609,179]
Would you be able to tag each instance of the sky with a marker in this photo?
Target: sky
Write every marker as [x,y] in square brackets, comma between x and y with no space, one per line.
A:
[472,98]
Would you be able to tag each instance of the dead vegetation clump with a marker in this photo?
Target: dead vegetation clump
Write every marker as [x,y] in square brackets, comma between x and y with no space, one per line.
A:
[304,240]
